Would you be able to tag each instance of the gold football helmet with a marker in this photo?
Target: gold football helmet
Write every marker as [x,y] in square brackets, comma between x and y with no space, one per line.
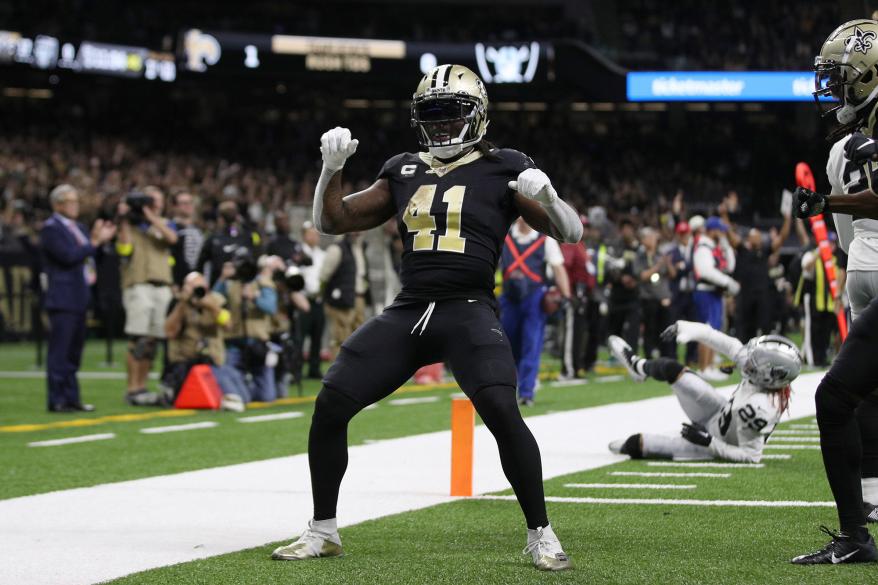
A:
[449,110]
[847,70]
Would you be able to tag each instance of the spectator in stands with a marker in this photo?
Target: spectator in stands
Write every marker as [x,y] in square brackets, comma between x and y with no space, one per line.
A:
[624,319]
[654,271]
[713,261]
[251,298]
[144,244]
[525,257]
[195,328]
[597,309]
[67,252]
[344,279]
[189,236]
[313,322]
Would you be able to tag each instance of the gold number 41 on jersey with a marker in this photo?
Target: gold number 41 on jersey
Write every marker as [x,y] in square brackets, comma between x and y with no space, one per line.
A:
[418,219]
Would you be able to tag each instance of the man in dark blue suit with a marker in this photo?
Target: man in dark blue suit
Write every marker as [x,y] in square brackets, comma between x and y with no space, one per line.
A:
[67,252]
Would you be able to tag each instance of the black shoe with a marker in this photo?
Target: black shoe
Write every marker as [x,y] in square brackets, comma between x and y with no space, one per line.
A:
[871,511]
[61,408]
[526,402]
[841,549]
[83,407]
[142,397]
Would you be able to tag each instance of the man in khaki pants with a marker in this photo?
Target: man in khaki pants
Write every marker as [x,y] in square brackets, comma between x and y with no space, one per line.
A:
[144,245]
[345,286]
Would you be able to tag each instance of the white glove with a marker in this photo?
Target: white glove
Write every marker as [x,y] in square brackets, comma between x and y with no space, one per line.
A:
[535,184]
[683,331]
[336,147]
[732,287]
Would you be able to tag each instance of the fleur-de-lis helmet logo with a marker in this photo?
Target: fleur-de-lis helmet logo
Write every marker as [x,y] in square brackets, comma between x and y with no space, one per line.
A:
[861,41]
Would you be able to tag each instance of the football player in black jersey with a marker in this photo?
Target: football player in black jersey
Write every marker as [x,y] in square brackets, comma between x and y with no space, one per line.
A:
[454,202]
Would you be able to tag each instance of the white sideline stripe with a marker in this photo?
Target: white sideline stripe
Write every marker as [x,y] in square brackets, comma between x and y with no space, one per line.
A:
[407,401]
[792,447]
[666,502]
[371,406]
[41,374]
[774,439]
[804,426]
[669,474]
[605,379]
[707,464]
[776,456]
[71,440]
[564,383]
[268,417]
[175,428]
[270,500]
[633,486]
[796,433]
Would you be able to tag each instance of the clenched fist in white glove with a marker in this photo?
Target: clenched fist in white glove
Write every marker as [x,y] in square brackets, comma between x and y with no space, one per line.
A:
[535,184]
[336,146]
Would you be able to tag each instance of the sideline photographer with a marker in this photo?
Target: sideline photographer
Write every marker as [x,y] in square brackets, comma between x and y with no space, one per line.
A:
[195,328]
[251,298]
[144,245]
[292,304]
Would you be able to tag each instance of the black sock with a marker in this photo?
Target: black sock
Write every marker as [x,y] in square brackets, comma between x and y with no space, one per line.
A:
[633,447]
[519,452]
[328,448]
[842,451]
[867,421]
[663,369]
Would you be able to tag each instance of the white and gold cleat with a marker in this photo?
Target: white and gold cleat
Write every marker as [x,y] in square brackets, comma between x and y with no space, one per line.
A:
[545,550]
[310,545]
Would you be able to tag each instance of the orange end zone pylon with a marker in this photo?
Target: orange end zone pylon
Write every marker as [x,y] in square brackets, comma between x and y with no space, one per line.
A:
[200,390]
[463,423]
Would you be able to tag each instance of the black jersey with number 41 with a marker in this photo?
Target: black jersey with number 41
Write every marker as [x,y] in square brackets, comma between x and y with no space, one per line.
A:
[453,220]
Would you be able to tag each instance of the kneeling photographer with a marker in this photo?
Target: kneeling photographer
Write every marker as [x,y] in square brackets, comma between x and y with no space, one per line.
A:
[195,328]
[251,298]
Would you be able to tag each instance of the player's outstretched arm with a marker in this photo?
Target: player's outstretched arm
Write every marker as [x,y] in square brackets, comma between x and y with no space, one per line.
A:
[539,205]
[336,213]
[863,204]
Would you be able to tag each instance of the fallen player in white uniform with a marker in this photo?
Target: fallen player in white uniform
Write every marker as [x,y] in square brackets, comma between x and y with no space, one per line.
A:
[735,429]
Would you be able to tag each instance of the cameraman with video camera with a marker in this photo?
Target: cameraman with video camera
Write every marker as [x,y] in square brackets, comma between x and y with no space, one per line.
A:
[195,328]
[144,243]
[251,298]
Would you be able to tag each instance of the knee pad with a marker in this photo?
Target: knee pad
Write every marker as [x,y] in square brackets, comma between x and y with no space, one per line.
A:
[633,447]
[834,404]
[334,408]
[142,347]
[664,369]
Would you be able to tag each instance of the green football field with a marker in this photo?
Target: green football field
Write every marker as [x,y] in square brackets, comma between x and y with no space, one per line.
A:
[659,535]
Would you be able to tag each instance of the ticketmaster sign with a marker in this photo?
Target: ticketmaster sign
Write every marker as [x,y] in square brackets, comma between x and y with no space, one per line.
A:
[729,86]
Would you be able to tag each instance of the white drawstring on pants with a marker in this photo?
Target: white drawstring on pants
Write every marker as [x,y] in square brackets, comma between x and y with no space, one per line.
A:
[425,318]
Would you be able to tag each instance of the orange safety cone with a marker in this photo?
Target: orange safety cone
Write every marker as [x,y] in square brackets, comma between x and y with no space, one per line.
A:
[200,390]
[463,423]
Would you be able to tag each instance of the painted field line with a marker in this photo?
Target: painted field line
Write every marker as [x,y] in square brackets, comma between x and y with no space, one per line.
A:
[776,456]
[794,439]
[269,417]
[407,401]
[667,502]
[803,426]
[668,474]
[371,406]
[605,379]
[99,420]
[792,447]
[565,383]
[797,433]
[706,464]
[175,428]
[71,440]
[633,486]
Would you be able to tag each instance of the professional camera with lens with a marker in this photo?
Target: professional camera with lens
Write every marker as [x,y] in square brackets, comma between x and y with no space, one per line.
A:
[246,268]
[136,201]
[291,278]
[199,292]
